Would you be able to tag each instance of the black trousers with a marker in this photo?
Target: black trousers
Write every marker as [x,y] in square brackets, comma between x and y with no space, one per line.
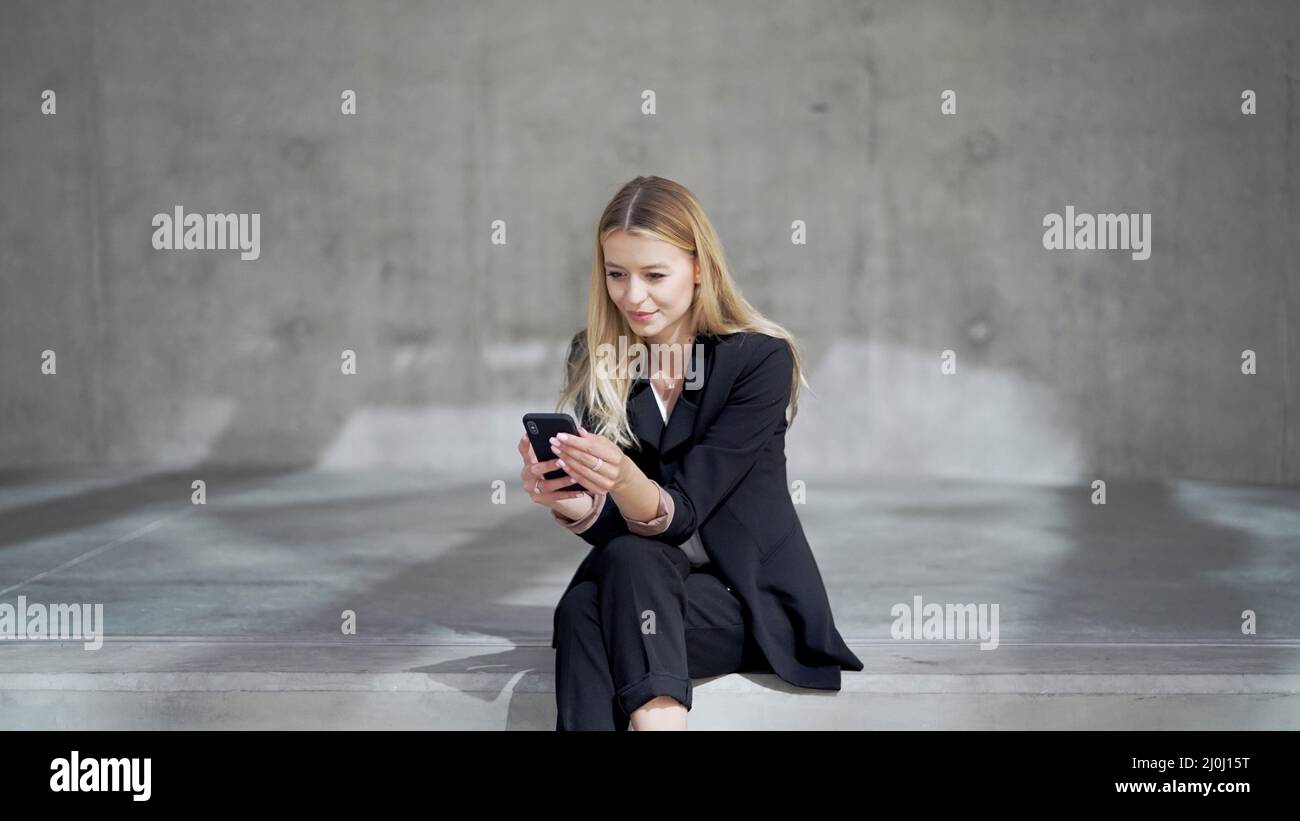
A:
[642,623]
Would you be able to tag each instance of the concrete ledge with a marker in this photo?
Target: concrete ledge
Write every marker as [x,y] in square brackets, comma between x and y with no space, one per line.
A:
[177,684]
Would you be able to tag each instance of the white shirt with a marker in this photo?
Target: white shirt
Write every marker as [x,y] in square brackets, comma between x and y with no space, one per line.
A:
[693,547]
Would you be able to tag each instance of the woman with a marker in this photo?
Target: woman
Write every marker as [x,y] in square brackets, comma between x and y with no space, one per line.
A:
[699,565]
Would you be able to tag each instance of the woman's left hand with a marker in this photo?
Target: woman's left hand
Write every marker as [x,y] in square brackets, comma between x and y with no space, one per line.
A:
[593,461]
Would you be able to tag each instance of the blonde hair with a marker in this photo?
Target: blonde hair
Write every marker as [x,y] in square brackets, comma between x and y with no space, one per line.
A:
[660,209]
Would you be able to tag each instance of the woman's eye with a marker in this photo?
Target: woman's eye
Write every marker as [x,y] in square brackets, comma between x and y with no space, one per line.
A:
[651,274]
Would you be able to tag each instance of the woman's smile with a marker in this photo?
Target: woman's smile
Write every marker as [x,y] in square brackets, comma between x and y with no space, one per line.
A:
[641,316]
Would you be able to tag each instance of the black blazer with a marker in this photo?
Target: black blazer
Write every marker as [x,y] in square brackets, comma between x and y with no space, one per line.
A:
[722,459]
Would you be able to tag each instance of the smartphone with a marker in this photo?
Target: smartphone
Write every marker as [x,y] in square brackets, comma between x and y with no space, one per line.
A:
[540,427]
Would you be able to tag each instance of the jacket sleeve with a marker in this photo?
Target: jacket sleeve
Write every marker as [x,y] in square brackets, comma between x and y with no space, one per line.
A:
[729,449]
[587,519]
[653,527]
[607,523]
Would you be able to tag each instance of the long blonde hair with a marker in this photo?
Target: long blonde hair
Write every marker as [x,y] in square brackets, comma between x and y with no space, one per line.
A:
[660,209]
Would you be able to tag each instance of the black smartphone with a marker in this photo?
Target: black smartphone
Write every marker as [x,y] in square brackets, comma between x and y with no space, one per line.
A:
[540,427]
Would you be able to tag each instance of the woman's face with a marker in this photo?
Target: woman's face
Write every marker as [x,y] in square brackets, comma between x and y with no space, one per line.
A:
[652,282]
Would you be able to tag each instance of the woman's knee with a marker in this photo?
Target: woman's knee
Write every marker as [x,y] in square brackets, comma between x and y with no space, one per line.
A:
[577,607]
[628,552]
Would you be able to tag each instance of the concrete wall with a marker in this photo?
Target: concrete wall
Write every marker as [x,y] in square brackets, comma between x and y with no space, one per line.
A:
[924,230]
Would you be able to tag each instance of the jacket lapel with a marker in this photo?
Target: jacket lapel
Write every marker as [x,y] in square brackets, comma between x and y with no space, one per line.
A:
[680,424]
[646,421]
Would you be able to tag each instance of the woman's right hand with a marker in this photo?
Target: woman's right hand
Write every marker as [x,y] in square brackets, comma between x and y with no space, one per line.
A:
[565,502]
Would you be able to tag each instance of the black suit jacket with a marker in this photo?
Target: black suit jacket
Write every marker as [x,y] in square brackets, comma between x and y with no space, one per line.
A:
[722,459]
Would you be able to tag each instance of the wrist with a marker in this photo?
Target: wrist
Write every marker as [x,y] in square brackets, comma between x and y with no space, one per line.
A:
[625,483]
[639,497]
[574,508]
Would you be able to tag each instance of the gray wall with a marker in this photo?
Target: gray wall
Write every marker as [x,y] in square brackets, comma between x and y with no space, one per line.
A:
[924,231]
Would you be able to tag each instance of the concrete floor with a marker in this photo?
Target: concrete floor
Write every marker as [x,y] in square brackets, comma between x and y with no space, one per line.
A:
[228,614]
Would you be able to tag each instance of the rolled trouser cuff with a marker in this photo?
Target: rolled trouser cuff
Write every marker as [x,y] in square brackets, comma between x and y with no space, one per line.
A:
[651,685]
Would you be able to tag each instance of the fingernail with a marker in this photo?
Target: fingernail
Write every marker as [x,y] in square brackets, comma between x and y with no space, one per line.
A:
[559,462]
[564,437]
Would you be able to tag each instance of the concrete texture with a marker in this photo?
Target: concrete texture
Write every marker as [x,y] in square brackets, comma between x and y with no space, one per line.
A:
[1125,615]
[209,685]
[924,231]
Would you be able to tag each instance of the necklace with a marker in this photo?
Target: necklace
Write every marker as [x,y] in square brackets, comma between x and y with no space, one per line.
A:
[667,398]
[670,383]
